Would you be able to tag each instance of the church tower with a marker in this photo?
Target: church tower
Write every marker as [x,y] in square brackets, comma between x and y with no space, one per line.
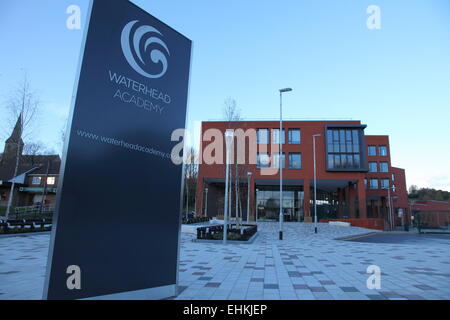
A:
[13,142]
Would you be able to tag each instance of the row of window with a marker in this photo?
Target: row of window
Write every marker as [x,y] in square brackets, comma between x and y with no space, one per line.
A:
[37,181]
[343,148]
[294,136]
[263,160]
[373,166]
[344,161]
[372,151]
[377,184]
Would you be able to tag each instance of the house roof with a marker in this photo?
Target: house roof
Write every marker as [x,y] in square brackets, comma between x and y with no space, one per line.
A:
[30,164]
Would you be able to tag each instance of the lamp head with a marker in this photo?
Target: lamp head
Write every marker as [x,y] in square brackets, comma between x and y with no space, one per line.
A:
[285,90]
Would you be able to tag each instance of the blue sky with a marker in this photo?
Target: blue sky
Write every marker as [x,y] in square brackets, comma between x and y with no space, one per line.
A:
[396,79]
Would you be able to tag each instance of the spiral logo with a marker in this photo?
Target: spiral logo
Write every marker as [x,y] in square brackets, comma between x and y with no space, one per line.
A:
[144,41]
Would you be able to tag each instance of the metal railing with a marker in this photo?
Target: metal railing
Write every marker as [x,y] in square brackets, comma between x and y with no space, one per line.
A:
[34,212]
[432,220]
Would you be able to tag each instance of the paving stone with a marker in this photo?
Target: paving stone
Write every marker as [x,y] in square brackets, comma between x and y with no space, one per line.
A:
[271,286]
[376,297]
[213,284]
[269,268]
[424,287]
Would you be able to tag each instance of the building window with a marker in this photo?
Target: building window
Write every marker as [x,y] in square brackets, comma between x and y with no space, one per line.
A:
[365,183]
[343,149]
[373,183]
[276,138]
[36,181]
[295,160]
[276,160]
[262,160]
[294,136]
[373,167]
[262,136]
[372,150]
[384,167]
[382,150]
[393,177]
[51,181]
[384,183]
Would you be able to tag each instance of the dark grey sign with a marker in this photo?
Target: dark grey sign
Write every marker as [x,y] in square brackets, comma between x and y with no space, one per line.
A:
[117,222]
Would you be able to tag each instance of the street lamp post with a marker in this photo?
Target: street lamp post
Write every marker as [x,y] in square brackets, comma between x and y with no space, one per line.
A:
[256,205]
[390,207]
[315,182]
[279,160]
[391,216]
[228,142]
[249,176]
[206,202]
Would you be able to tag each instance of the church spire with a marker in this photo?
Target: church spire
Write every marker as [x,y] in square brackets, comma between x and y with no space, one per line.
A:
[16,134]
[13,142]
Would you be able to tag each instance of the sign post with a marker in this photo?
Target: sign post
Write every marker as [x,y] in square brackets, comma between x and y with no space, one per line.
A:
[117,221]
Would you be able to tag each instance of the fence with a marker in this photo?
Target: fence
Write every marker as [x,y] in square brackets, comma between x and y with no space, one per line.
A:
[436,220]
[34,212]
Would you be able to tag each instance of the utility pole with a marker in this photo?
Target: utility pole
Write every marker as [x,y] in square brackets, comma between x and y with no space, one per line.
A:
[280,165]
[44,191]
[228,140]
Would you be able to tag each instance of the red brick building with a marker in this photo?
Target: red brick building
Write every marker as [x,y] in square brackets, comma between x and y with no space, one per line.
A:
[433,213]
[352,170]
[36,180]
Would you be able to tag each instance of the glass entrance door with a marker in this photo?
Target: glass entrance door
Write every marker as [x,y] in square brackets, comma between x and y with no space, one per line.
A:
[268,203]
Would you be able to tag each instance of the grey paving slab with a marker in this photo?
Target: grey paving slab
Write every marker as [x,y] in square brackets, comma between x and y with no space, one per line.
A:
[303,266]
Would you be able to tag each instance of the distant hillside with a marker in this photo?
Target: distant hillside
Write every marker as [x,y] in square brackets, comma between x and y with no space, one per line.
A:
[428,194]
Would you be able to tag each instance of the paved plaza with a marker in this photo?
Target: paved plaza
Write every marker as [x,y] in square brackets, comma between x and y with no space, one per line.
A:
[302,266]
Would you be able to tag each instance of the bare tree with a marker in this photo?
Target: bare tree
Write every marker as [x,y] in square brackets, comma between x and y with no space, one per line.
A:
[23,101]
[231,112]
[33,149]
[22,105]
[232,115]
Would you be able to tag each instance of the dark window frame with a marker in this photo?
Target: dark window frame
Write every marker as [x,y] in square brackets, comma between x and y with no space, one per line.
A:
[258,162]
[354,144]
[382,183]
[293,154]
[371,186]
[268,136]
[283,140]
[290,140]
